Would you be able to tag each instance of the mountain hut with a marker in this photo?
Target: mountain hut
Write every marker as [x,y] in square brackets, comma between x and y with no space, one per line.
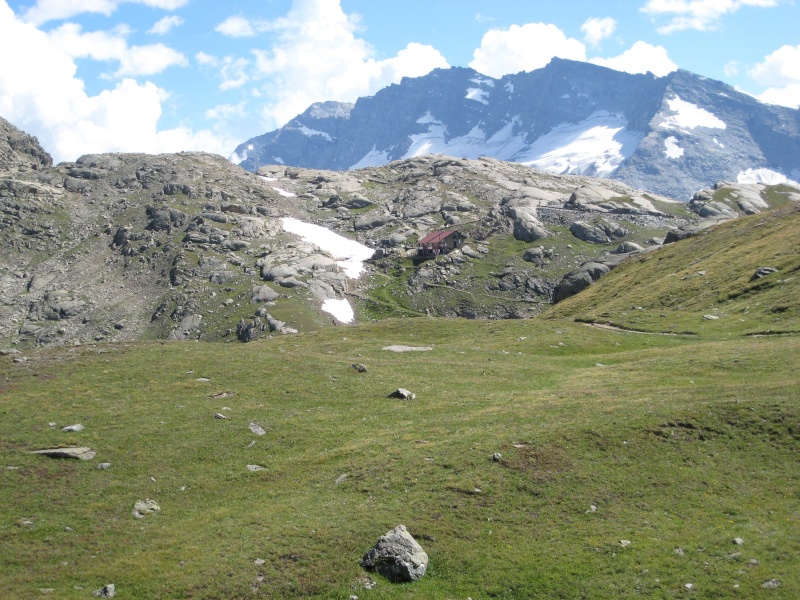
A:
[440,242]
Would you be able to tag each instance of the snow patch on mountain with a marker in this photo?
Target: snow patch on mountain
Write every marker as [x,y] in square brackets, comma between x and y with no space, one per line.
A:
[483,81]
[478,95]
[311,132]
[690,116]
[595,146]
[672,148]
[767,176]
[373,158]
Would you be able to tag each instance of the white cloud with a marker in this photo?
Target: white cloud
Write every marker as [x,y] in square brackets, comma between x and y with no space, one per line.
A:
[71,122]
[780,74]
[54,10]
[782,67]
[112,45]
[523,48]
[481,18]
[164,25]
[731,68]
[640,58]
[788,95]
[149,60]
[701,15]
[97,45]
[234,72]
[226,111]
[595,30]
[316,56]
[236,27]
[206,59]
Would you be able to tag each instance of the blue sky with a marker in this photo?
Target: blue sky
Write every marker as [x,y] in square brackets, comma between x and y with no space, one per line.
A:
[168,75]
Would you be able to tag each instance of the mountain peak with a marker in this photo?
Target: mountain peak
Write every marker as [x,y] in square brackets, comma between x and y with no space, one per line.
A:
[670,135]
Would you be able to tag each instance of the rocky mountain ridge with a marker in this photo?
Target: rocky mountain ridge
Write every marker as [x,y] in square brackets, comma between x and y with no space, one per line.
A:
[188,246]
[670,135]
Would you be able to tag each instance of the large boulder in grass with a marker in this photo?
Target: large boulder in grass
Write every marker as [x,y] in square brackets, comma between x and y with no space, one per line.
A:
[397,556]
[578,280]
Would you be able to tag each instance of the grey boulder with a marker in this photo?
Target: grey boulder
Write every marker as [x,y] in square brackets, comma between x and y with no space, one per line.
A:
[81,453]
[397,556]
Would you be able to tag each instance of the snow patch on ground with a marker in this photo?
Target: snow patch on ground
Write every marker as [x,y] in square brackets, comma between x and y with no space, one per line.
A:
[340,309]
[509,87]
[310,132]
[349,255]
[767,176]
[672,148]
[270,179]
[718,143]
[284,193]
[596,147]
[689,116]
[478,95]
[278,160]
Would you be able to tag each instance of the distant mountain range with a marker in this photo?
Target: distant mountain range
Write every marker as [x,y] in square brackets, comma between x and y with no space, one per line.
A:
[670,135]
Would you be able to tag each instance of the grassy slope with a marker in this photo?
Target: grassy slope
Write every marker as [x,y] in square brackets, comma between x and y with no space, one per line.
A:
[680,442]
[672,289]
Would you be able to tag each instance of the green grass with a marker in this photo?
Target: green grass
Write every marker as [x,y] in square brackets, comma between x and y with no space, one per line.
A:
[674,288]
[680,442]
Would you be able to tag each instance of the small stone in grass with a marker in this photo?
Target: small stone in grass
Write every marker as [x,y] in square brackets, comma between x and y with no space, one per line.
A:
[738,541]
[257,429]
[772,584]
[107,591]
[402,394]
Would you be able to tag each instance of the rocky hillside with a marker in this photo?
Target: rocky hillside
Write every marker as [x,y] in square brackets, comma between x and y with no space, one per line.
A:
[20,152]
[670,135]
[741,276]
[188,246]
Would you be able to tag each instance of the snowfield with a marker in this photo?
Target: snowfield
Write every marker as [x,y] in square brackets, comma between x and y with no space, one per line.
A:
[595,146]
[767,176]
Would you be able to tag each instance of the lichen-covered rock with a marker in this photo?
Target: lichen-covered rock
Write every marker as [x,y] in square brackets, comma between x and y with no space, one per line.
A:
[397,556]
